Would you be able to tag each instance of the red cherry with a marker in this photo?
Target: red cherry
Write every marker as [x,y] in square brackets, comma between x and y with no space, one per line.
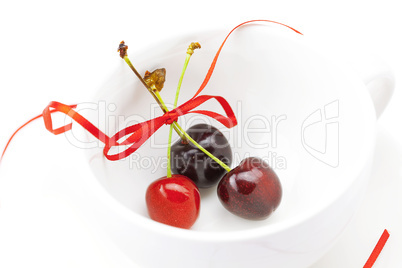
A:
[174,201]
[252,190]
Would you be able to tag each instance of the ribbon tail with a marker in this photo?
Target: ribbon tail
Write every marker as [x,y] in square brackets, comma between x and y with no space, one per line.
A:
[212,67]
[69,111]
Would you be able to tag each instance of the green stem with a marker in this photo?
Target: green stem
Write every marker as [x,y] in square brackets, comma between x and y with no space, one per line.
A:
[169,169]
[188,56]
[204,150]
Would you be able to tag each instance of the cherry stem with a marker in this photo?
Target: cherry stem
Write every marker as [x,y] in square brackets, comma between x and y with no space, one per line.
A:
[169,168]
[180,131]
[228,169]
[190,52]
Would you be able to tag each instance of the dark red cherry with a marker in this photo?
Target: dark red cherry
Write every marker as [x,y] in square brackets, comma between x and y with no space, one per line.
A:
[252,190]
[188,160]
[174,201]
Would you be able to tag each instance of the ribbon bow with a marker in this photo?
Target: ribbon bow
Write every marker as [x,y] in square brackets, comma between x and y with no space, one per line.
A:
[139,133]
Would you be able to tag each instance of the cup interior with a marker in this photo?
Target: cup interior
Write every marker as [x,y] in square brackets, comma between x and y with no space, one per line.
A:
[309,118]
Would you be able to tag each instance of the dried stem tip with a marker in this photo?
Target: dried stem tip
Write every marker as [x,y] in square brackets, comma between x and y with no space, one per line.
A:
[122,49]
[192,46]
[156,79]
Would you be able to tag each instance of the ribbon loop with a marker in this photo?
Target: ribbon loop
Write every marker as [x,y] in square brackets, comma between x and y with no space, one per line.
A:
[47,117]
[133,137]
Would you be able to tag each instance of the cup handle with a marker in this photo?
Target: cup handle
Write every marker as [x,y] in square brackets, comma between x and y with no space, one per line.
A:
[380,82]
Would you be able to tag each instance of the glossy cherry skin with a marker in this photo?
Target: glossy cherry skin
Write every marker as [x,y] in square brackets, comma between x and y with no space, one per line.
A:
[252,190]
[174,201]
[188,160]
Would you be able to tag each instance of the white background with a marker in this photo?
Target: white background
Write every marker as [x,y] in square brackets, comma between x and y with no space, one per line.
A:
[63,51]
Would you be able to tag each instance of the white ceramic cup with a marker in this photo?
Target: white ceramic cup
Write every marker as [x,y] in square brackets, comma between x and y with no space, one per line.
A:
[313,120]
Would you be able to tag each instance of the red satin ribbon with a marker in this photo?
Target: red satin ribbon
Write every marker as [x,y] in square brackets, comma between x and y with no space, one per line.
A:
[141,132]
[137,134]
[212,67]
[377,249]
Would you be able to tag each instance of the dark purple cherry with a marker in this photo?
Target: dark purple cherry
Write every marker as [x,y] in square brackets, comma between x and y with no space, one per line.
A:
[252,190]
[188,160]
